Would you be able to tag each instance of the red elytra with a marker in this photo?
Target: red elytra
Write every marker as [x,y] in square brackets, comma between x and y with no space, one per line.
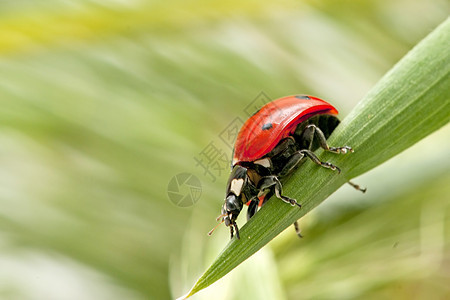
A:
[273,122]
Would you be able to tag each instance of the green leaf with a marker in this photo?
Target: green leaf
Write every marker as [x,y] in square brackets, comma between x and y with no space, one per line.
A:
[408,103]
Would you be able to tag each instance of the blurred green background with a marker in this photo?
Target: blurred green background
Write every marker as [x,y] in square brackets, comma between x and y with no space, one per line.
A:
[104,102]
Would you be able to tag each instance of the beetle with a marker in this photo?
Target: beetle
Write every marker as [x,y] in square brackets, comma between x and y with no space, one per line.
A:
[269,146]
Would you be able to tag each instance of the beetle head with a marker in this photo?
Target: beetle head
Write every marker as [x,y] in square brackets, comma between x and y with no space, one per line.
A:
[233,201]
[230,211]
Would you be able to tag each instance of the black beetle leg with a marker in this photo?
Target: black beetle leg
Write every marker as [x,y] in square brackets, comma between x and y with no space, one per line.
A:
[312,130]
[356,186]
[272,181]
[252,208]
[237,230]
[297,229]
[282,146]
[294,159]
[315,159]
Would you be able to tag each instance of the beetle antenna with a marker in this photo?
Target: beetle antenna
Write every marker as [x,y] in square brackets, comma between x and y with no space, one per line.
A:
[221,216]
[212,230]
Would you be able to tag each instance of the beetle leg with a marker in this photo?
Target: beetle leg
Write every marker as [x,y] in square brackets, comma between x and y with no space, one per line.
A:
[297,229]
[286,143]
[312,130]
[315,159]
[237,231]
[252,208]
[298,156]
[272,181]
[356,186]
[294,159]
[232,231]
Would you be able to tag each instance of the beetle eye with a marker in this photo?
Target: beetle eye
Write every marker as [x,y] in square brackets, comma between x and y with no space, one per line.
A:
[233,203]
[224,210]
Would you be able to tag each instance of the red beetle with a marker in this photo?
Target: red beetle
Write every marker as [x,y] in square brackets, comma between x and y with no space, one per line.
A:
[270,145]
